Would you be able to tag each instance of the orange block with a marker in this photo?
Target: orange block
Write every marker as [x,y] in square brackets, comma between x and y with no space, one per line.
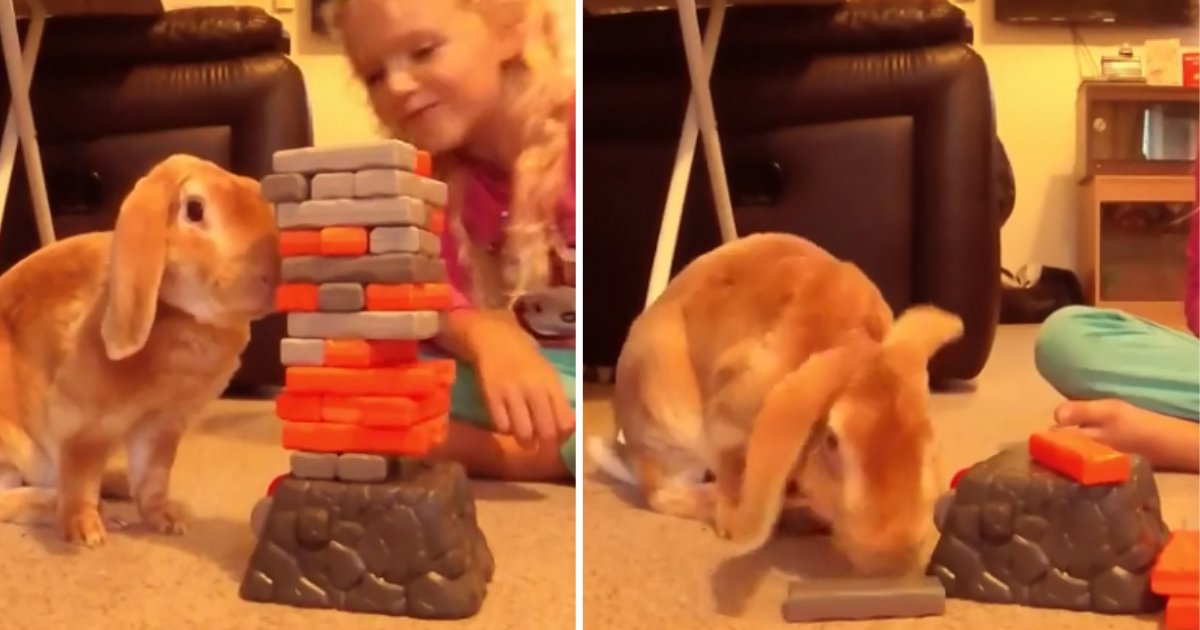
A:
[299,243]
[369,353]
[1183,613]
[1175,571]
[1071,453]
[443,369]
[414,379]
[408,297]
[437,221]
[385,411]
[298,408]
[296,297]
[424,164]
[343,241]
[413,441]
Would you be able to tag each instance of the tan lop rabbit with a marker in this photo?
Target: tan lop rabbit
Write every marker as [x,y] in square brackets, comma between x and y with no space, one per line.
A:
[113,339]
[778,369]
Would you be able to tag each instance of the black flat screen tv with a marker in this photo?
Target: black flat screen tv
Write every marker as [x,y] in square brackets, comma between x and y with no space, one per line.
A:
[1098,12]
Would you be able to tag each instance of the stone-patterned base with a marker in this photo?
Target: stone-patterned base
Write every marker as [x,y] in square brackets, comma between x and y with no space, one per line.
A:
[407,546]
[1015,532]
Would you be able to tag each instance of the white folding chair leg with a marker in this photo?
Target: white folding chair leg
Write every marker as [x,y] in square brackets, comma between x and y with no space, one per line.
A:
[702,98]
[8,146]
[668,233]
[19,89]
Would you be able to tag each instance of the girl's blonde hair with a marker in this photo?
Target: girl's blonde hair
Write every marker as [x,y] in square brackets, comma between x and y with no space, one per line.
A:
[540,88]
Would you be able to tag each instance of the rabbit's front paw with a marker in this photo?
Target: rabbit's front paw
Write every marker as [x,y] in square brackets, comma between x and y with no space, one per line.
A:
[166,517]
[84,526]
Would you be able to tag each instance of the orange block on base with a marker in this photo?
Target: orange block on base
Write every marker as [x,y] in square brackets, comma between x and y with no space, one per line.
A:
[343,241]
[385,411]
[414,379]
[1176,572]
[414,441]
[296,298]
[408,297]
[299,243]
[437,221]
[1183,613]
[298,407]
[1071,453]
[424,164]
[369,353]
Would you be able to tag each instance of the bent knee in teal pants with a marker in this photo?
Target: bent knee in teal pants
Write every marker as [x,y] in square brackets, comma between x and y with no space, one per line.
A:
[1089,353]
[467,403]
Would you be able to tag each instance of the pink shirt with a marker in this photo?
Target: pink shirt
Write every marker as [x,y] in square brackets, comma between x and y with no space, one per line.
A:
[1191,297]
[486,203]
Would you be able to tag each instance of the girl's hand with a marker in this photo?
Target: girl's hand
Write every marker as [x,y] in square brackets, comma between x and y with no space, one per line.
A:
[523,391]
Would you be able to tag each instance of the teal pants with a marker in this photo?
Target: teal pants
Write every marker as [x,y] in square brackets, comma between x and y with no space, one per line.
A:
[467,403]
[1090,353]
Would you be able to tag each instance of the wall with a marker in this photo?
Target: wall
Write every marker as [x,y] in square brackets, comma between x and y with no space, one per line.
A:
[1034,75]
[339,106]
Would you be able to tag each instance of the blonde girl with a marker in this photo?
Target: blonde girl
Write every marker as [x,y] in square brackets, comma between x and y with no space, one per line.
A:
[481,84]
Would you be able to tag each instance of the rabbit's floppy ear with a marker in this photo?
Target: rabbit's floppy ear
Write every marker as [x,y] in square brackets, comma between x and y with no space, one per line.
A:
[924,329]
[790,412]
[138,258]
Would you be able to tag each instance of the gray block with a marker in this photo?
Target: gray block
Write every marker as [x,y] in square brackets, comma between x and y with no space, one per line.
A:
[333,186]
[395,183]
[376,268]
[348,157]
[301,351]
[830,599]
[389,240]
[307,465]
[353,212]
[414,325]
[362,467]
[341,297]
[284,187]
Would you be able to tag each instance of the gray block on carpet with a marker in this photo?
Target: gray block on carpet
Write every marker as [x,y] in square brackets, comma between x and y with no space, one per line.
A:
[294,351]
[284,187]
[829,599]
[333,186]
[349,157]
[319,213]
[341,297]
[390,240]
[385,325]
[376,268]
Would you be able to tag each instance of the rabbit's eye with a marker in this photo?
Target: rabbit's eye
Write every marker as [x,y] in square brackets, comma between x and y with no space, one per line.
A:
[195,210]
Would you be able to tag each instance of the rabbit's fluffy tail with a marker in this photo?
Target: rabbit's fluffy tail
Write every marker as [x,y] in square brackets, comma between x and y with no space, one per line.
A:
[607,455]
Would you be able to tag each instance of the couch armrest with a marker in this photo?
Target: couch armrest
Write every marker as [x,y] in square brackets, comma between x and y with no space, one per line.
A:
[177,36]
[761,32]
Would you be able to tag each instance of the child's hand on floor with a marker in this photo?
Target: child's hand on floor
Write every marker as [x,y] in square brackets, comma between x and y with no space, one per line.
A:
[522,389]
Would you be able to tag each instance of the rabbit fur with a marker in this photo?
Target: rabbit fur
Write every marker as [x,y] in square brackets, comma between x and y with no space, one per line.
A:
[771,365]
[118,338]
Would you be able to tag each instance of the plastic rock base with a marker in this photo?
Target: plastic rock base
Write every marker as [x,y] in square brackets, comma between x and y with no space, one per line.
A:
[406,546]
[1018,533]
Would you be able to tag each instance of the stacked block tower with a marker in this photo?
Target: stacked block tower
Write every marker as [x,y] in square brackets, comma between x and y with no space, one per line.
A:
[364,521]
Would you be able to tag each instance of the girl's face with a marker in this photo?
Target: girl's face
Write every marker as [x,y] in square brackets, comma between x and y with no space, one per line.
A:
[432,68]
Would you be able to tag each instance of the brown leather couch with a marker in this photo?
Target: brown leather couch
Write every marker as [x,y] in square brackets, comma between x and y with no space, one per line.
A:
[112,95]
[867,127]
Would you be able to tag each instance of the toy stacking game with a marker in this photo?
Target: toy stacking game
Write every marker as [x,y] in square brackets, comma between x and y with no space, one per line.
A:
[364,521]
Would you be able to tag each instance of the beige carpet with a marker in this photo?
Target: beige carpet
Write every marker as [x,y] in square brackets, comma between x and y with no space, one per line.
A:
[146,581]
[642,570]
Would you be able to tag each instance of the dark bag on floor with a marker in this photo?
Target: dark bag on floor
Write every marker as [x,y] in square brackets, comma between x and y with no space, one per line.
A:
[1031,303]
